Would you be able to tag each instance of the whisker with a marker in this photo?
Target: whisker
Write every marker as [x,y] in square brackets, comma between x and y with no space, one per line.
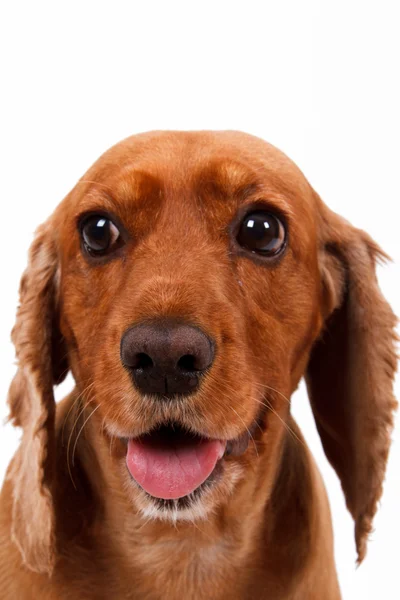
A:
[71,407]
[288,428]
[112,438]
[268,387]
[268,405]
[248,430]
[96,183]
[82,395]
[145,523]
[80,431]
[69,445]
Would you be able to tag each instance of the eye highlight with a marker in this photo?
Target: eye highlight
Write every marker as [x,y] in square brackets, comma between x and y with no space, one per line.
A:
[100,235]
[262,232]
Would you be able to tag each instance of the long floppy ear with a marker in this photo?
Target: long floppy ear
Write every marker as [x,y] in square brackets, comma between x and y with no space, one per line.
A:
[352,367]
[42,362]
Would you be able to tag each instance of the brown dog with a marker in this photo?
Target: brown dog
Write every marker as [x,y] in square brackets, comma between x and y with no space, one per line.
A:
[189,281]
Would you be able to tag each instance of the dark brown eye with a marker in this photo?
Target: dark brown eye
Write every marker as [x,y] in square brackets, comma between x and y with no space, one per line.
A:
[100,235]
[262,232]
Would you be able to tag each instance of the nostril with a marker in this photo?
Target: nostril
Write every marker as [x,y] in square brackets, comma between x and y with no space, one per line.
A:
[187,363]
[142,361]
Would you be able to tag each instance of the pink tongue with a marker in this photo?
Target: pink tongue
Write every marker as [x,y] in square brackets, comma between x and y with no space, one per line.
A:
[167,470]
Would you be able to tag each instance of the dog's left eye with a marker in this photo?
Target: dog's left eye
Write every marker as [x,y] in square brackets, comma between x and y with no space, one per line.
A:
[100,235]
[263,233]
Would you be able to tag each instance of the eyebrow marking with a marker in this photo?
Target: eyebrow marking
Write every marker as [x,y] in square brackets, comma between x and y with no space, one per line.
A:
[140,184]
[226,178]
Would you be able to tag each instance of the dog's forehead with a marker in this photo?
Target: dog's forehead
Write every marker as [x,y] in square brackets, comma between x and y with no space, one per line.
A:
[229,162]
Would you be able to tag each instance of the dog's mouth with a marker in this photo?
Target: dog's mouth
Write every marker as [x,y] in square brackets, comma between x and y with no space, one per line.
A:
[170,462]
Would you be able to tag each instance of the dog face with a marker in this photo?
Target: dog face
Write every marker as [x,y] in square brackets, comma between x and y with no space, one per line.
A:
[207,243]
[189,277]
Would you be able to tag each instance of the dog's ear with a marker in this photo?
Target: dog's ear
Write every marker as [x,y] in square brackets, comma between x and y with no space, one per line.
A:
[352,367]
[42,362]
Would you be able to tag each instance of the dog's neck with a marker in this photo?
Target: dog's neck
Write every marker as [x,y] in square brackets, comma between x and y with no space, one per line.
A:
[275,507]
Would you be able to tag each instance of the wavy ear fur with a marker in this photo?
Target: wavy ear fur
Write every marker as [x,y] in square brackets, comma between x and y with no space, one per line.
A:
[352,367]
[42,362]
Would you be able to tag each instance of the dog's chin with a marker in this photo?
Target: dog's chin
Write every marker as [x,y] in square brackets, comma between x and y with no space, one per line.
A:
[178,475]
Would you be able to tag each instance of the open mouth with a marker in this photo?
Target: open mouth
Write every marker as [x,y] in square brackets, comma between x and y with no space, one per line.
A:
[170,462]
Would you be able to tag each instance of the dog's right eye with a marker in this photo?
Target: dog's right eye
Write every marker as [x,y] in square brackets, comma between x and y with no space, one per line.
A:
[100,235]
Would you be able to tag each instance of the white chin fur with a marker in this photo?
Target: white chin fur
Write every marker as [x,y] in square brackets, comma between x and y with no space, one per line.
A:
[201,505]
[196,511]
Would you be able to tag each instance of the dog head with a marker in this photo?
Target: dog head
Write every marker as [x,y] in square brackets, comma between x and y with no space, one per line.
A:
[189,281]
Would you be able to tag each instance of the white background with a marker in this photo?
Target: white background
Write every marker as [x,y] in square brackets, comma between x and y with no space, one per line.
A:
[318,79]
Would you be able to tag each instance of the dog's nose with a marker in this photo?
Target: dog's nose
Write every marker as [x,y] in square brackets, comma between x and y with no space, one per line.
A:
[166,358]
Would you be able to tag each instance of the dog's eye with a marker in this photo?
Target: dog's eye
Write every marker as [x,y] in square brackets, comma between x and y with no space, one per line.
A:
[262,232]
[100,235]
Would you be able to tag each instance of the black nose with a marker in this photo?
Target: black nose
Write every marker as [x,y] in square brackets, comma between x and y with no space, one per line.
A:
[166,358]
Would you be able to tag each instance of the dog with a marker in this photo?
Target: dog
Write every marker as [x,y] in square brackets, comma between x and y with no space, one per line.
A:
[189,281]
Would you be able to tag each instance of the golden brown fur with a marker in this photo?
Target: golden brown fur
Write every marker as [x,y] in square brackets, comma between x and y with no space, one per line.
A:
[72,524]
